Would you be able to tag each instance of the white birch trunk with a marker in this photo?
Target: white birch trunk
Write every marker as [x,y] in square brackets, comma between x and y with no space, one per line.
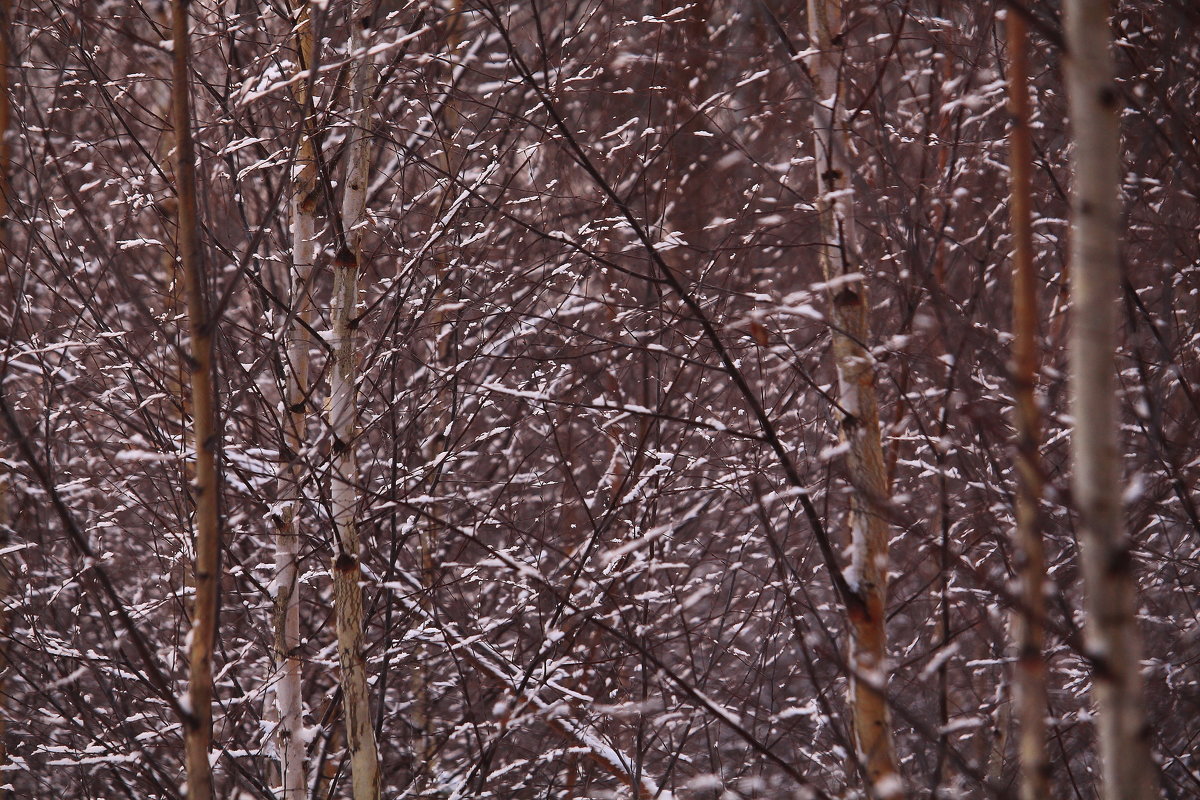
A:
[859,413]
[343,419]
[1113,643]
[288,686]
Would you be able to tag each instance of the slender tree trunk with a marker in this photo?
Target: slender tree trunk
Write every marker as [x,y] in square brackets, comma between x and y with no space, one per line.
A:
[360,734]
[5,121]
[177,379]
[6,586]
[1029,619]
[5,208]
[1129,772]
[288,687]
[198,723]
[859,412]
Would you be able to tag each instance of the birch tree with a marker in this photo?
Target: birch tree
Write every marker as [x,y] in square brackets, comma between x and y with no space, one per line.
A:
[594,373]
[287,685]
[858,407]
[1029,619]
[1113,641]
[205,487]
[343,416]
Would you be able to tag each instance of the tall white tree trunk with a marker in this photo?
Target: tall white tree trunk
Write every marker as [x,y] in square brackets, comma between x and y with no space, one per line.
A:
[198,722]
[859,412]
[1029,618]
[287,686]
[1129,772]
[343,419]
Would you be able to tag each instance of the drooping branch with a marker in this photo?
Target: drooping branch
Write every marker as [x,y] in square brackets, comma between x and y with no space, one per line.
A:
[497,669]
[155,676]
[589,616]
[668,276]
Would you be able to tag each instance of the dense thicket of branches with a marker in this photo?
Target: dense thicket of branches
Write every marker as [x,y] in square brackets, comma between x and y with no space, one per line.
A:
[601,496]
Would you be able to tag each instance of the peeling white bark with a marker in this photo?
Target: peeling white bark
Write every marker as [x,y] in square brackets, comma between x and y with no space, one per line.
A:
[360,733]
[859,412]
[287,684]
[1129,772]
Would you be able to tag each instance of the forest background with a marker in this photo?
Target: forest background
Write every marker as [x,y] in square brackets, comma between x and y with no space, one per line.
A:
[599,399]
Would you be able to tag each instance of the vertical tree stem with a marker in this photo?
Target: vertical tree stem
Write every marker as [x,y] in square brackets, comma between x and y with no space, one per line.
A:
[1113,642]
[168,209]
[198,723]
[859,412]
[6,571]
[360,733]
[1029,619]
[288,685]
[6,29]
